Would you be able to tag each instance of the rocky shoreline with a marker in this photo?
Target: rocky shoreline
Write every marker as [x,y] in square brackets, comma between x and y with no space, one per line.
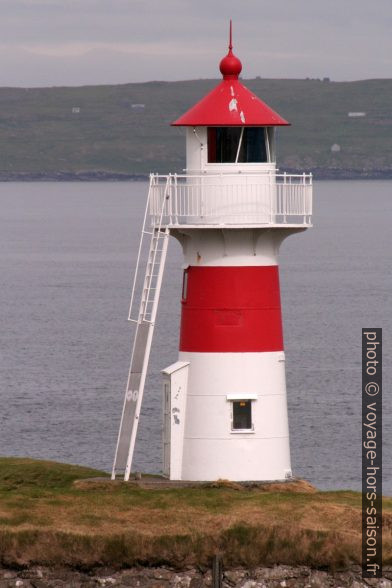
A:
[261,577]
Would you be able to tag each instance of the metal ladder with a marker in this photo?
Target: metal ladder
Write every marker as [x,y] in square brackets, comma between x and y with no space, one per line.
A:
[145,322]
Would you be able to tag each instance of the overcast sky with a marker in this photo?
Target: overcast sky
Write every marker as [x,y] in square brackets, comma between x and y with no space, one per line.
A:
[76,42]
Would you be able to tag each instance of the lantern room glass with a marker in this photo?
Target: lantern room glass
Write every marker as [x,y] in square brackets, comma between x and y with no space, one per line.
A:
[238,145]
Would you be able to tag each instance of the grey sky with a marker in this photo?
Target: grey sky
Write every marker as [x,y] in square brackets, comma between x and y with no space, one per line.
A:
[75,42]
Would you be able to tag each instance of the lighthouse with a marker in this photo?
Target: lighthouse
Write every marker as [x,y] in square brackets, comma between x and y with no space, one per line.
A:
[224,398]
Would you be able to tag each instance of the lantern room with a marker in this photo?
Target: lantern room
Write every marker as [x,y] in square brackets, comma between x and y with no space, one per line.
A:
[230,130]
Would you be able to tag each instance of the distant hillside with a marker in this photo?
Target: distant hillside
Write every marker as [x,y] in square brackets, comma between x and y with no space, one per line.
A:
[123,130]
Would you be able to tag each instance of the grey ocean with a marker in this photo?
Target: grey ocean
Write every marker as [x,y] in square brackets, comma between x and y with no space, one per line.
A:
[67,254]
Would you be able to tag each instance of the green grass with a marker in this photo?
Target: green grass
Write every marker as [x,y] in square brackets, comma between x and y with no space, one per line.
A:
[40,134]
[28,476]
[49,516]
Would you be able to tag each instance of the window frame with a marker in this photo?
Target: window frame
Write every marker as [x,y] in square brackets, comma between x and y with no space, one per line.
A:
[232,398]
[185,279]
[212,146]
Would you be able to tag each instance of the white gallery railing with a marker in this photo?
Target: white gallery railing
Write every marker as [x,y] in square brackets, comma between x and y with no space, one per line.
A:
[231,199]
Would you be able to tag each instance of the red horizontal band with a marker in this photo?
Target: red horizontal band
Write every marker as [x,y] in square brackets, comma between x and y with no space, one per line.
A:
[231,309]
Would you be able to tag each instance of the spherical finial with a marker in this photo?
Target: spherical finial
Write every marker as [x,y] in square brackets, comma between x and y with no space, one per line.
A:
[230,66]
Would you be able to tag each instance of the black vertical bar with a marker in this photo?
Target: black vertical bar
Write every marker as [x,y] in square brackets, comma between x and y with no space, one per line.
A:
[217,572]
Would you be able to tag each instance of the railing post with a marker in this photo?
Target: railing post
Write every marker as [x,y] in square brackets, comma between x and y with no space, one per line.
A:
[152,198]
[309,198]
[175,200]
[284,197]
[168,204]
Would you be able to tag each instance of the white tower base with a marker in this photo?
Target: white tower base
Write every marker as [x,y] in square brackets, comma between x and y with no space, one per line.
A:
[202,439]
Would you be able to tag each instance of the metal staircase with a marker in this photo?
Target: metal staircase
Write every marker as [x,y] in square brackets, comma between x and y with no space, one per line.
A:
[145,322]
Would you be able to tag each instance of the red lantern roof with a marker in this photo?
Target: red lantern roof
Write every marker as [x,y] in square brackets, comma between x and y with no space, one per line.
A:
[230,104]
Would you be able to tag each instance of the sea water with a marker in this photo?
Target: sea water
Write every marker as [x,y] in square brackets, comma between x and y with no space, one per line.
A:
[67,255]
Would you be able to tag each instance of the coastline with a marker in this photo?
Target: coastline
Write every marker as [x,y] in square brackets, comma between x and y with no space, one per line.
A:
[165,577]
[55,515]
[108,176]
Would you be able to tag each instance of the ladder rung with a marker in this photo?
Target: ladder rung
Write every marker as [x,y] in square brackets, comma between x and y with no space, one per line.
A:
[153,254]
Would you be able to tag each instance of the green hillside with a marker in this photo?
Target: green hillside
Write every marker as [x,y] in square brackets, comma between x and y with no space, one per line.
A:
[98,131]
[56,514]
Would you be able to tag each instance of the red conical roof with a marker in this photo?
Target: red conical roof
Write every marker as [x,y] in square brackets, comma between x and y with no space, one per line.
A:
[230,103]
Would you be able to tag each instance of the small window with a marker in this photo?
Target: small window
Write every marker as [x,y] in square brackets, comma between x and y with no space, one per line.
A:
[185,285]
[242,415]
[237,145]
[166,389]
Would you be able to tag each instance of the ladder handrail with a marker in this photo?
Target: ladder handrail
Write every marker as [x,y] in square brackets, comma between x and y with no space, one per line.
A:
[155,227]
[136,395]
[146,214]
[146,358]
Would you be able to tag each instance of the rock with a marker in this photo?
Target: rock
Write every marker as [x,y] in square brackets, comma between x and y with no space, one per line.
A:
[234,577]
[282,573]
[104,572]
[181,581]
[319,579]
[130,579]
[196,582]
[253,584]
[278,576]
[33,573]
[161,574]
[387,572]
[41,583]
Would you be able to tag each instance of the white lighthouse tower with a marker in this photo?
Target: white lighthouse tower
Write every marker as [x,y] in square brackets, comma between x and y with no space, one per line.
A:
[224,400]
